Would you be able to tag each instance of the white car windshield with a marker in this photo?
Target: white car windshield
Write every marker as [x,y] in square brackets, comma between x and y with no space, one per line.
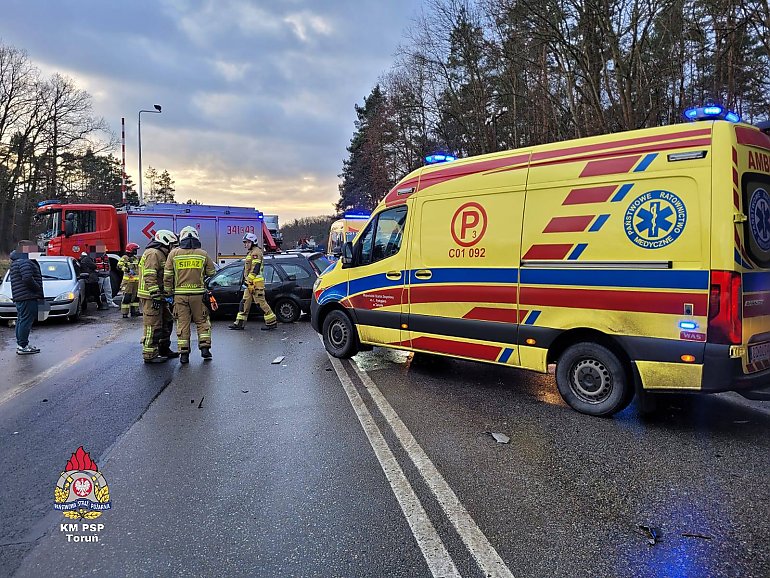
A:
[59,270]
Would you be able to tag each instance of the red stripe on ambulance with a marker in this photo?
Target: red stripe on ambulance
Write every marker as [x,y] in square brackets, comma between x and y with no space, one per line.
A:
[461,348]
[569,224]
[590,195]
[550,251]
[613,300]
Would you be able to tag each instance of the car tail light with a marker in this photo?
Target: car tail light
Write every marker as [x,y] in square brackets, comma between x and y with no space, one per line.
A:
[725,325]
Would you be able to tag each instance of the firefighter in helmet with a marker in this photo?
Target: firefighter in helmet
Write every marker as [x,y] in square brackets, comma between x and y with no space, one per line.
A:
[254,279]
[158,323]
[186,268]
[129,265]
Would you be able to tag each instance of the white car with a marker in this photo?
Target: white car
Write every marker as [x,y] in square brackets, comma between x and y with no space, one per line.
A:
[64,293]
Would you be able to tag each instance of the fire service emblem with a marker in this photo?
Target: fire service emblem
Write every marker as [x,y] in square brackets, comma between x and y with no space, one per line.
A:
[81,492]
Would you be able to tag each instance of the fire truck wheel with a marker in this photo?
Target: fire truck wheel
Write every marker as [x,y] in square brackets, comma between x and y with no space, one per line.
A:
[339,335]
[592,380]
[287,311]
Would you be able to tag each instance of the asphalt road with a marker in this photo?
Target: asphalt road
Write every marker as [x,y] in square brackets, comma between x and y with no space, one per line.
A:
[380,466]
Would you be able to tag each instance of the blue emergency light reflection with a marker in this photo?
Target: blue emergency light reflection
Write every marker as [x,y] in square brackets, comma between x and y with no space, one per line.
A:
[688,325]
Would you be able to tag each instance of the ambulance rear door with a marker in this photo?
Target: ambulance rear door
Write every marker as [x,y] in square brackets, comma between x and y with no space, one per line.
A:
[752,251]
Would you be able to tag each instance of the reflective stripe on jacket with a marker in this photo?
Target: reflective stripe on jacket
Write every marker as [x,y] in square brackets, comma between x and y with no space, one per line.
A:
[130,267]
[186,270]
[150,272]
[254,264]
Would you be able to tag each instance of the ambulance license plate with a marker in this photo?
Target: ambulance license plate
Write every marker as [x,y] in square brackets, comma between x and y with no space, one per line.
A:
[759,352]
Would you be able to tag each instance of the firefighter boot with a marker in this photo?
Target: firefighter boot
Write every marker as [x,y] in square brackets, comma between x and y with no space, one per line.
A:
[206,353]
[269,327]
[157,359]
[184,357]
[237,325]
[165,350]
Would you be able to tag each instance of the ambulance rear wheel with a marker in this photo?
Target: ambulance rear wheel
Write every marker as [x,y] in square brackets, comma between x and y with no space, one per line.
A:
[592,380]
[339,335]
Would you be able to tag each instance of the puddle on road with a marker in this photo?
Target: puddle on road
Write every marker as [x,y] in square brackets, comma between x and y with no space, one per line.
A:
[381,358]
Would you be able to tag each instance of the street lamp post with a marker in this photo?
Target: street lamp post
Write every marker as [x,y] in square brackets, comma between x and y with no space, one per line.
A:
[139,132]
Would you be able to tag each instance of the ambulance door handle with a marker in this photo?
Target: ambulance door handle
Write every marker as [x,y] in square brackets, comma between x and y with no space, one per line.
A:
[423,274]
[394,275]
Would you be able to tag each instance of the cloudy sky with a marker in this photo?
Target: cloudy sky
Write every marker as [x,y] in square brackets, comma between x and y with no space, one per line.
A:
[257,95]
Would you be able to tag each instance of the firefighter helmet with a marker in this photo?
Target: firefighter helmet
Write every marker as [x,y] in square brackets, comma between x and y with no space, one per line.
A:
[188,232]
[166,237]
[251,237]
[132,248]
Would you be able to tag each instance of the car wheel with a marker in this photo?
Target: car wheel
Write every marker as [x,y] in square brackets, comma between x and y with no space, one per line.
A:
[287,311]
[339,335]
[592,380]
[76,316]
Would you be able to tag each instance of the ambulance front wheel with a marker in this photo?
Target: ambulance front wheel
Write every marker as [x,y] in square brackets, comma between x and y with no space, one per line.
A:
[592,380]
[339,335]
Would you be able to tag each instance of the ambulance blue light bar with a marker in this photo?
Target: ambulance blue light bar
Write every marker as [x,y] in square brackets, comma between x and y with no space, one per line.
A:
[439,158]
[711,112]
[49,202]
[363,215]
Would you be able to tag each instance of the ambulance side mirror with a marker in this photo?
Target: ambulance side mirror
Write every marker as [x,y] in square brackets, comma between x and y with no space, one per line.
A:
[347,254]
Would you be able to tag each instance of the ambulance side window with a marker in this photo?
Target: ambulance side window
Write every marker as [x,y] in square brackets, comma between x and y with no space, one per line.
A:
[365,244]
[382,238]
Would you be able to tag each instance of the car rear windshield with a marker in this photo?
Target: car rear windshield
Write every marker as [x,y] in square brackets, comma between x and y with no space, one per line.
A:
[320,262]
[55,270]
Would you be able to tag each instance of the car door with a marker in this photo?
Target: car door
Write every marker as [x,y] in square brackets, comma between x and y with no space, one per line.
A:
[378,278]
[274,283]
[302,277]
[226,285]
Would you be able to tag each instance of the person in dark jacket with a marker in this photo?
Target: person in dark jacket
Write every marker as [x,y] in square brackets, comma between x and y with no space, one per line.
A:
[88,265]
[27,288]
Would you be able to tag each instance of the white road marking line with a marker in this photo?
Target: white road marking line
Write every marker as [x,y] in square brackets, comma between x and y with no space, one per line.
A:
[486,556]
[433,550]
[53,370]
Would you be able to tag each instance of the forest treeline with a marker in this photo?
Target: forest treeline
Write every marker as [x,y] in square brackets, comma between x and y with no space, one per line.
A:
[53,146]
[474,77]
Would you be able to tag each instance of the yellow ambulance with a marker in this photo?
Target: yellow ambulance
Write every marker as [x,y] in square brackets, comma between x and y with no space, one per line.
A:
[345,229]
[637,261]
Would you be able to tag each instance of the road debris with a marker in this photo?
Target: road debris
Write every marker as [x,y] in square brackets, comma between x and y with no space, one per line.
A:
[696,535]
[45,400]
[278,359]
[200,405]
[244,391]
[499,437]
[650,533]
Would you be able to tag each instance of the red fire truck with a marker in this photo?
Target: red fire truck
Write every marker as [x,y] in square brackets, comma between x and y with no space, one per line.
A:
[71,229]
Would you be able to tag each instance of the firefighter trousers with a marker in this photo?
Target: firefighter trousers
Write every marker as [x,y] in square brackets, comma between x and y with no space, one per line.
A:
[190,309]
[256,295]
[130,303]
[158,325]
